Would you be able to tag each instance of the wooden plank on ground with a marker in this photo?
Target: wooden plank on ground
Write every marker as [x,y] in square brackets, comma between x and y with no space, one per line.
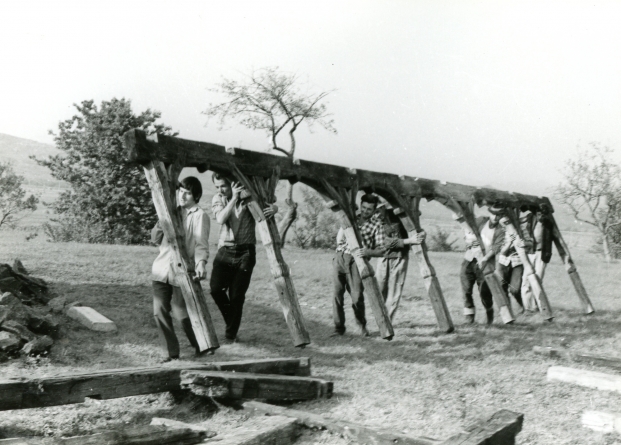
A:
[276,430]
[114,383]
[241,385]
[601,421]
[599,360]
[590,379]
[500,429]
[352,431]
[139,435]
[170,423]
[90,318]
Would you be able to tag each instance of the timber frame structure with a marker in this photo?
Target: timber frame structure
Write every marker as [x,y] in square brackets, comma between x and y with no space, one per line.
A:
[259,173]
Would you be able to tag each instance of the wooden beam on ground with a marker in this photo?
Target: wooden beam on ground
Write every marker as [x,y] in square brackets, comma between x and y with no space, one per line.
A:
[340,202]
[170,222]
[241,385]
[599,360]
[268,230]
[493,282]
[204,156]
[589,379]
[601,421]
[138,435]
[500,429]
[352,431]
[170,423]
[276,430]
[529,271]
[409,216]
[570,267]
[114,383]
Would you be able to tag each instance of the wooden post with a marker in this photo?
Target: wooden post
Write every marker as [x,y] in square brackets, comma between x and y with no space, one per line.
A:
[170,222]
[570,267]
[492,280]
[268,230]
[410,219]
[529,271]
[344,211]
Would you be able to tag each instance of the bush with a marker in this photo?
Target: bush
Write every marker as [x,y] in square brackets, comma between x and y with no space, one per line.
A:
[438,240]
[315,226]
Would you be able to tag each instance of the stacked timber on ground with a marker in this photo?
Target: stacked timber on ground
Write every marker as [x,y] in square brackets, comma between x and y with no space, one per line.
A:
[260,172]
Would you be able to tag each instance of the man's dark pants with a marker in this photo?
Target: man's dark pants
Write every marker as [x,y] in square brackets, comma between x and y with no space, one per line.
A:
[232,270]
[346,277]
[470,273]
[512,281]
[164,302]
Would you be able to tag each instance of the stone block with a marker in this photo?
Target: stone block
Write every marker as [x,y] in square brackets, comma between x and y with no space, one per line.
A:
[44,325]
[18,266]
[57,304]
[38,346]
[90,318]
[9,342]
[14,309]
[20,330]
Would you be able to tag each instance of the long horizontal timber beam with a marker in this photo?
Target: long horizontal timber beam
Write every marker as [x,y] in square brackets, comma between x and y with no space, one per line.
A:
[115,383]
[206,156]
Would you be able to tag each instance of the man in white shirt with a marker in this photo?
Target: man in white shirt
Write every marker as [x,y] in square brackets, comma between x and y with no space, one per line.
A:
[167,297]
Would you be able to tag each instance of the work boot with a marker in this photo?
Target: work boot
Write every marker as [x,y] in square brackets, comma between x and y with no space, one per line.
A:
[490,316]
[469,318]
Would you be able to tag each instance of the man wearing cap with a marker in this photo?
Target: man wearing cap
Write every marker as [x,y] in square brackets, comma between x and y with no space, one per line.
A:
[167,297]
[391,268]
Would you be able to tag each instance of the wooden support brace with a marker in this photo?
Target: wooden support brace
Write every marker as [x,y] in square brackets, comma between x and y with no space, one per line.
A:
[570,267]
[241,385]
[529,271]
[170,222]
[410,218]
[270,238]
[498,293]
[345,213]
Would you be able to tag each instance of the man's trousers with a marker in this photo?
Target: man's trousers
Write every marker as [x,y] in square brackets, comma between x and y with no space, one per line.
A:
[390,274]
[232,270]
[471,273]
[528,298]
[345,276]
[511,279]
[166,299]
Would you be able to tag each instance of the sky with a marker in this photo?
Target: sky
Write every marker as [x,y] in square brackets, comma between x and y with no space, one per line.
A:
[496,93]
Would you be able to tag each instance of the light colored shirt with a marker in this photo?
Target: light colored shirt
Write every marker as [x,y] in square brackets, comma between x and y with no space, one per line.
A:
[196,224]
[239,228]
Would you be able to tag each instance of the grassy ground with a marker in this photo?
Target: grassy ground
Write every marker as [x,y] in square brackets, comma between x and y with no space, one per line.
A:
[423,382]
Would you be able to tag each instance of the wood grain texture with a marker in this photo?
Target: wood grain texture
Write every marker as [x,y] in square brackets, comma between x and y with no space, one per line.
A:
[581,377]
[500,429]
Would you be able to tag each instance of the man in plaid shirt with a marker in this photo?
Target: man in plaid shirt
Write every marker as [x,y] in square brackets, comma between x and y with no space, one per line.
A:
[345,272]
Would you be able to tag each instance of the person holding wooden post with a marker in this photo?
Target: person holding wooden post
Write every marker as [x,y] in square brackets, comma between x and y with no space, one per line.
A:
[509,266]
[236,257]
[167,297]
[391,268]
[538,226]
[345,272]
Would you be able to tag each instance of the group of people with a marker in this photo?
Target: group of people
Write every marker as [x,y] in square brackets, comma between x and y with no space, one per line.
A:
[383,237]
[502,257]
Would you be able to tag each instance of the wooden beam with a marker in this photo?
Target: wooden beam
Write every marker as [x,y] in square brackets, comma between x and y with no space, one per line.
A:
[500,429]
[409,216]
[341,205]
[114,383]
[204,155]
[491,278]
[349,430]
[590,379]
[599,360]
[268,230]
[529,271]
[135,435]
[601,421]
[170,222]
[241,385]
[276,430]
[170,423]
[570,267]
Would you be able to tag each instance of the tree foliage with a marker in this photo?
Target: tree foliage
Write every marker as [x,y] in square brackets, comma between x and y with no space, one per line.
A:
[270,100]
[14,204]
[438,240]
[316,226]
[109,200]
[591,189]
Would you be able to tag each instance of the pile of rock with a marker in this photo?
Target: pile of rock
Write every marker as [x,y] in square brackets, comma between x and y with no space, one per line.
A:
[25,326]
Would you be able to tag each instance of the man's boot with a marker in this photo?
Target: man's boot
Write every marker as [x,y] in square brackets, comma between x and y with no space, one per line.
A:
[490,316]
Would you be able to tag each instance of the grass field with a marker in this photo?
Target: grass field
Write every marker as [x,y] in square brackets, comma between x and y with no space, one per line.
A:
[423,382]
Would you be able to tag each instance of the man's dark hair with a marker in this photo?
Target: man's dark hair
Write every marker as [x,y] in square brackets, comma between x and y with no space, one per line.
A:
[370,198]
[220,177]
[193,185]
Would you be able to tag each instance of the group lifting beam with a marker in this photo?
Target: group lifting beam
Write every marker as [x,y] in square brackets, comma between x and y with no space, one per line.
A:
[339,185]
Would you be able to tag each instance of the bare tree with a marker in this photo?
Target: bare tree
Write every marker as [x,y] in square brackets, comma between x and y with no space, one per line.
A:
[272,101]
[592,191]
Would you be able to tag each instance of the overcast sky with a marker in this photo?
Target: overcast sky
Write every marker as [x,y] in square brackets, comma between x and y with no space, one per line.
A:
[479,92]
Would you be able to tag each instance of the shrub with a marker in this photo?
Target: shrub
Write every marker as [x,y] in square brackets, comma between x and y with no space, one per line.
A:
[438,240]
